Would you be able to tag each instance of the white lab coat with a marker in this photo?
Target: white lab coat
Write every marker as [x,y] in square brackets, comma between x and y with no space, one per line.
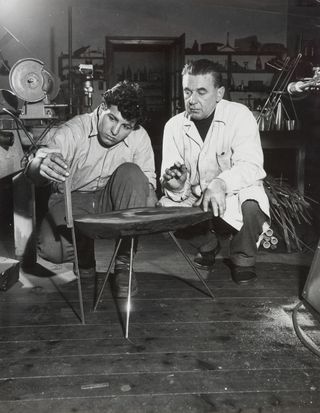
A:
[231,151]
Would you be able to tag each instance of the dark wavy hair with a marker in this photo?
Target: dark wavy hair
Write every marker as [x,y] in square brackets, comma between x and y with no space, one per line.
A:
[203,67]
[130,100]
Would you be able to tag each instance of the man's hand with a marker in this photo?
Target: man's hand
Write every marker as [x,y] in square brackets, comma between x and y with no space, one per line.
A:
[175,176]
[152,199]
[214,196]
[53,167]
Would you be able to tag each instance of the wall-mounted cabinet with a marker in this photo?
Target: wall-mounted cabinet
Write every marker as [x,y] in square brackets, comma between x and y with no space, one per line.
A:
[77,80]
[97,62]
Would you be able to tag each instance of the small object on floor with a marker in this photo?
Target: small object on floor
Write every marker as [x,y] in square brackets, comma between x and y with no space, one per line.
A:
[243,275]
[94,386]
[120,279]
[206,260]
[9,273]
[86,272]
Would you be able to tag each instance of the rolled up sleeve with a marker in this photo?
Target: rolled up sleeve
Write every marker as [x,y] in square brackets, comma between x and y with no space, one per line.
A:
[144,156]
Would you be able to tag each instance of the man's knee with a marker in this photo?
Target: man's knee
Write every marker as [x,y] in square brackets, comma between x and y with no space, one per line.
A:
[253,215]
[250,208]
[130,179]
[53,242]
[129,171]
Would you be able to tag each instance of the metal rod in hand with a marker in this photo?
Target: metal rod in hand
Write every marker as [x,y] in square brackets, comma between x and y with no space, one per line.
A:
[70,225]
[76,263]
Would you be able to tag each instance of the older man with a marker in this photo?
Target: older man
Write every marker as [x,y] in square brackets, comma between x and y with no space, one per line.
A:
[212,157]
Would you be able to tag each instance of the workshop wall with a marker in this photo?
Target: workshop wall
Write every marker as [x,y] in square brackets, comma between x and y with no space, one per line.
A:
[41,26]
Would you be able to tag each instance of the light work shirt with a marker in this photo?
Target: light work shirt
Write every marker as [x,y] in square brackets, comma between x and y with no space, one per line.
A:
[91,164]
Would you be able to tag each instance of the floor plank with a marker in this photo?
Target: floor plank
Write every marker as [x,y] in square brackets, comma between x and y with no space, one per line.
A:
[187,352]
[193,382]
[225,402]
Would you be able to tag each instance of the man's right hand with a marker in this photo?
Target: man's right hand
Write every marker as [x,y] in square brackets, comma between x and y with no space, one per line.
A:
[175,176]
[53,166]
[214,197]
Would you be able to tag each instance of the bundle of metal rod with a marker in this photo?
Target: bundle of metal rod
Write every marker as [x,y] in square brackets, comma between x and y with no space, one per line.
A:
[269,240]
[273,105]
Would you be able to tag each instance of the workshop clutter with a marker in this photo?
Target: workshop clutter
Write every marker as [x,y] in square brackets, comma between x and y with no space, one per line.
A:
[289,211]
[269,240]
[9,273]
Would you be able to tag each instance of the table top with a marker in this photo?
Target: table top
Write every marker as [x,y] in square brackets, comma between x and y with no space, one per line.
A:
[136,221]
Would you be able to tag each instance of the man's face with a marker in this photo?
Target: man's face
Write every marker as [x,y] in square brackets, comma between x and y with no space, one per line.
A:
[200,95]
[112,127]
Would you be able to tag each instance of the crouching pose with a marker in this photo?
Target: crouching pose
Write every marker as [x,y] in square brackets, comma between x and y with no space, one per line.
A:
[212,157]
[108,157]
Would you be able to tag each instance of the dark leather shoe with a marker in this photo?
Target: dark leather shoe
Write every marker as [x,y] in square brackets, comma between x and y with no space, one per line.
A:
[243,275]
[120,279]
[206,260]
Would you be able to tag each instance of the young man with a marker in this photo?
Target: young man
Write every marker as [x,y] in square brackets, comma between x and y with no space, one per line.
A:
[212,157]
[108,157]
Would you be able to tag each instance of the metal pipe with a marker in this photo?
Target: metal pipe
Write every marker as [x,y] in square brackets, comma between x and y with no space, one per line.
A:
[129,288]
[107,274]
[190,263]
[70,59]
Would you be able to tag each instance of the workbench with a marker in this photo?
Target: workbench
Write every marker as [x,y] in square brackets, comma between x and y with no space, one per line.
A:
[23,191]
[288,140]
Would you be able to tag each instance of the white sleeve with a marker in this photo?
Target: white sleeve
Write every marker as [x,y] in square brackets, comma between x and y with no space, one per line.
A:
[171,153]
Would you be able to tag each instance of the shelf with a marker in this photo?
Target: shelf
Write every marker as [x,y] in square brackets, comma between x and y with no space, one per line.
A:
[98,63]
[151,84]
[258,72]
[261,92]
[239,69]
[89,57]
[235,53]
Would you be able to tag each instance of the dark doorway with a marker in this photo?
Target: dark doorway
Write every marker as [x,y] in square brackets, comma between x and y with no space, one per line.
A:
[156,63]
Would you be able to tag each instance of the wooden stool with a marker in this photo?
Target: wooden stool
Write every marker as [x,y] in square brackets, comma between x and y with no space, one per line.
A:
[133,223]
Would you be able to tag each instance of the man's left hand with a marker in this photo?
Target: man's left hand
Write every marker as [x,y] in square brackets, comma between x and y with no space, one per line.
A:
[214,196]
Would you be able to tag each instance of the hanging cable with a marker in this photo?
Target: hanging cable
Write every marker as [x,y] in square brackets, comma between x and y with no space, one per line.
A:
[18,121]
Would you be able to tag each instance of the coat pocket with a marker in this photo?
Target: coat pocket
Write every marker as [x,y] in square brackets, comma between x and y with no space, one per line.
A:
[224,160]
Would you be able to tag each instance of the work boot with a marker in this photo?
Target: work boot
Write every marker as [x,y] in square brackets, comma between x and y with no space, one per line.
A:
[243,275]
[206,260]
[120,279]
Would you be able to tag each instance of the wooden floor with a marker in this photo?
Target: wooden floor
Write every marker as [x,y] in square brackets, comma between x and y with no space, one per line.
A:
[188,353]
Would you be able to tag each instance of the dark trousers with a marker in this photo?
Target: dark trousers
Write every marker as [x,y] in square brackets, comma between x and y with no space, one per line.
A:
[128,187]
[243,245]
